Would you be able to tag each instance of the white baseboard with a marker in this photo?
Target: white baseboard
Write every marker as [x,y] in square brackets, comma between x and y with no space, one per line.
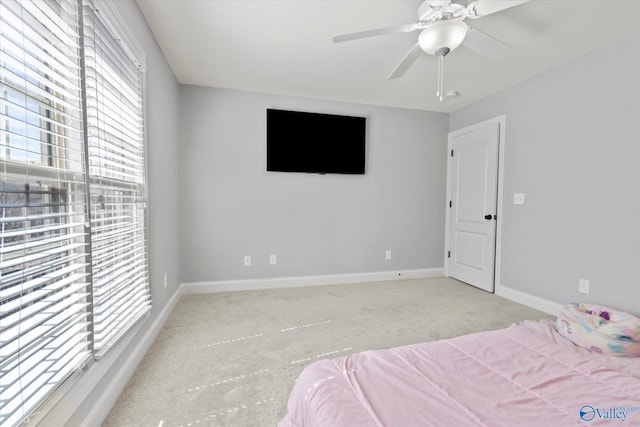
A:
[295,282]
[544,305]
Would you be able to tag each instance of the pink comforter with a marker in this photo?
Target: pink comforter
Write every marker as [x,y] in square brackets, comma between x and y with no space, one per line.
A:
[524,375]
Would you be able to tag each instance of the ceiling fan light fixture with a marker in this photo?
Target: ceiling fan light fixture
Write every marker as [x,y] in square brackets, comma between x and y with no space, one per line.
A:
[442,37]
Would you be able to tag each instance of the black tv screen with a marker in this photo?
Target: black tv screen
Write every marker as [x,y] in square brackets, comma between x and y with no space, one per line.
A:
[315,143]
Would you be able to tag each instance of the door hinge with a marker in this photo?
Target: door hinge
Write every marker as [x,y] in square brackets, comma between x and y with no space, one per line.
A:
[449,254]
[450,203]
[451,153]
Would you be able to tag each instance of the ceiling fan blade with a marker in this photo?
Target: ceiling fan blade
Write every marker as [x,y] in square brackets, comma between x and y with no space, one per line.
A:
[485,45]
[407,28]
[406,62]
[480,8]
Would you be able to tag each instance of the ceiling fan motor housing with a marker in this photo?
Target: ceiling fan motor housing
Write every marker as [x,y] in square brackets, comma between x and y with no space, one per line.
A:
[441,37]
[436,10]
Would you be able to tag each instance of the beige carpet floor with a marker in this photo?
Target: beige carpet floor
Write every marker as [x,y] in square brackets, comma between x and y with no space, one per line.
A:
[230,359]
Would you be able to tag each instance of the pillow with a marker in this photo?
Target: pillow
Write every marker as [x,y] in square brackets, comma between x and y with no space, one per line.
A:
[600,329]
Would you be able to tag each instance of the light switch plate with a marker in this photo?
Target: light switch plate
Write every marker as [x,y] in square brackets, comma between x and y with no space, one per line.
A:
[583,286]
[518,198]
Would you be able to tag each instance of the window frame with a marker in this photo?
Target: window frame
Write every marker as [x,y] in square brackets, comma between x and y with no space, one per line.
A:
[89,371]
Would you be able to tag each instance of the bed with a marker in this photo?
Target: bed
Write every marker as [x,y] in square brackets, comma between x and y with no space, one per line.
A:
[524,375]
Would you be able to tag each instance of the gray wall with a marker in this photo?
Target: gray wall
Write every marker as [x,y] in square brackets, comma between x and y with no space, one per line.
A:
[573,147]
[162,160]
[315,224]
[162,155]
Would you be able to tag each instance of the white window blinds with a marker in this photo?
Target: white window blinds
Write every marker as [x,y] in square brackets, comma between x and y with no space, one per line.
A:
[44,309]
[73,246]
[116,154]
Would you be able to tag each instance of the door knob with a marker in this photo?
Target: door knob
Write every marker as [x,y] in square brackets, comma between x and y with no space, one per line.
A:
[488,216]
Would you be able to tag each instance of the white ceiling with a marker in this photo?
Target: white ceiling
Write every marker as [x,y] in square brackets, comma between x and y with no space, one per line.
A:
[284,46]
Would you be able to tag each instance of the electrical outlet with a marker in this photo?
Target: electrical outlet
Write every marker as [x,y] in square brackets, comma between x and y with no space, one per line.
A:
[273,260]
[583,286]
[166,279]
[387,255]
[247,260]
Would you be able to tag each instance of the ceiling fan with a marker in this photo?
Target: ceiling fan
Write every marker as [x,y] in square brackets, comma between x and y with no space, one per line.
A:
[442,29]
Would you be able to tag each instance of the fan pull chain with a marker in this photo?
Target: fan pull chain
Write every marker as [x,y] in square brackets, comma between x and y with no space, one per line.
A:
[440,76]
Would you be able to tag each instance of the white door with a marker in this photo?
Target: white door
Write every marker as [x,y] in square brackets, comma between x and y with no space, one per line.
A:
[473,190]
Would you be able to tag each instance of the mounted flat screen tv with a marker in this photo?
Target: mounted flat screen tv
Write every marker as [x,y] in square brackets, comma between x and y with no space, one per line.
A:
[315,143]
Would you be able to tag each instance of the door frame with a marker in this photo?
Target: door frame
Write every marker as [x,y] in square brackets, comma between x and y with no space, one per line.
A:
[501,121]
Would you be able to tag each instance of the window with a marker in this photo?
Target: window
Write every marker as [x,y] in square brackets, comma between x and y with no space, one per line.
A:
[115,130]
[73,247]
